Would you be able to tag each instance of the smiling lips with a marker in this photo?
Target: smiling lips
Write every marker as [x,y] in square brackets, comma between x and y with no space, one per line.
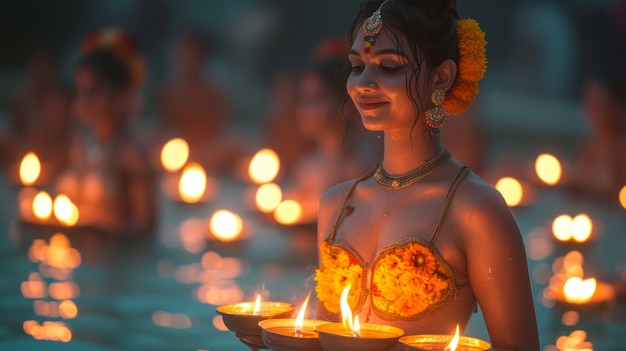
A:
[367,105]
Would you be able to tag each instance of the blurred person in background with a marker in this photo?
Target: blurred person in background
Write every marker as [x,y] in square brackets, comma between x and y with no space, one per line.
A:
[193,106]
[109,178]
[599,170]
[329,121]
[40,117]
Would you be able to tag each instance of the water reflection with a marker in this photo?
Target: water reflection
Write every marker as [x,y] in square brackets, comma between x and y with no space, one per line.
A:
[57,260]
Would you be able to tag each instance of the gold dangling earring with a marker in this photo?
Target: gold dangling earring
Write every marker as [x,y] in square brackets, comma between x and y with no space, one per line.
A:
[436,116]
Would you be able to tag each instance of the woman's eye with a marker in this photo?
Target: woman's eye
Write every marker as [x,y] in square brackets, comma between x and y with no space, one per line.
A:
[356,68]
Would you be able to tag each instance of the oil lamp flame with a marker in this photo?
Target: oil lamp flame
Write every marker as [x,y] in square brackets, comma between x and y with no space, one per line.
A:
[193,183]
[581,228]
[30,169]
[454,342]
[225,225]
[257,305]
[511,190]
[264,166]
[579,291]
[65,210]
[357,327]
[42,205]
[268,197]
[174,154]
[288,212]
[548,169]
[346,312]
[298,325]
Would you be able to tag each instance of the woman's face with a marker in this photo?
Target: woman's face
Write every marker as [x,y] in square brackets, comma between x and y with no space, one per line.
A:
[378,84]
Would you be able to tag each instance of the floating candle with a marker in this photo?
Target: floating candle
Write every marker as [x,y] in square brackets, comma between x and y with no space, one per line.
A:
[244,317]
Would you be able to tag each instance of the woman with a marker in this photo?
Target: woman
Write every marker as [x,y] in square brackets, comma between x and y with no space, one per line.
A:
[109,178]
[420,239]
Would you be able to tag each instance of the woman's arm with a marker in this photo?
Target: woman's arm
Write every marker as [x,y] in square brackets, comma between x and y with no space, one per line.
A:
[498,269]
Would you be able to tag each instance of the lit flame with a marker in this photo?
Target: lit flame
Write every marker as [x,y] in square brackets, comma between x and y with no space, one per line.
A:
[562,227]
[174,154]
[257,305]
[581,228]
[346,312]
[226,225]
[454,342]
[268,197]
[288,212]
[65,210]
[42,205]
[622,197]
[548,169]
[298,325]
[30,169]
[192,183]
[579,291]
[357,327]
[511,190]
[264,166]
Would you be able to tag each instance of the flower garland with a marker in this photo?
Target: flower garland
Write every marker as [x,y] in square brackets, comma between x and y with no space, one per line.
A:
[123,46]
[338,268]
[407,280]
[472,66]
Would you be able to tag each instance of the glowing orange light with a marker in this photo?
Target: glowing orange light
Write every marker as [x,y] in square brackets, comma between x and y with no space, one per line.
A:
[346,311]
[264,166]
[548,169]
[300,318]
[288,212]
[268,197]
[63,290]
[30,169]
[581,228]
[226,225]
[42,205]
[193,182]
[34,288]
[65,210]
[257,305]
[68,309]
[454,342]
[511,190]
[562,227]
[579,291]
[622,197]
[174,154]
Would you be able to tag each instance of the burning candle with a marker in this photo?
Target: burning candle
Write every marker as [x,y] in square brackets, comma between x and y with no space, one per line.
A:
[65,210]
[288,212]
[192,184]
[264,166]
[243,318]
[548,169]
[286,334]
[30,169]
[268,197]
[512,191]
[352,335]
[578,228]
[174,154]
[226,225]
[444,342]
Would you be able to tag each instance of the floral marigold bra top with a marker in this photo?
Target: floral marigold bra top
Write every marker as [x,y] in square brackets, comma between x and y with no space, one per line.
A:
[407,281]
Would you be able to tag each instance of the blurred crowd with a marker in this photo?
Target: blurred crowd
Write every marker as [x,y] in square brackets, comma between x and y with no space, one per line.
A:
[87,130]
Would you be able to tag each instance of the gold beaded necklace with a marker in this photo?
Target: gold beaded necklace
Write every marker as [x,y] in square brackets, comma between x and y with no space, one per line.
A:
[402,181]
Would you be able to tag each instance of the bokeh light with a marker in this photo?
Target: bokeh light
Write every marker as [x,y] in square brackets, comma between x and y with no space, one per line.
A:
[30,169]
[193,182]
[174,154]
[511,190]
[268,197]
[264,166]
[548,169]
[42,205]
[225,225]
[288,212]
